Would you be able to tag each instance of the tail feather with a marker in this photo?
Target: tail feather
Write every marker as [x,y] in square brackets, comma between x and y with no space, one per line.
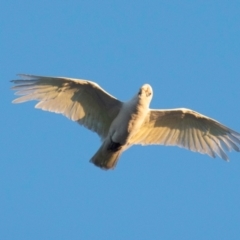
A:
[106,159]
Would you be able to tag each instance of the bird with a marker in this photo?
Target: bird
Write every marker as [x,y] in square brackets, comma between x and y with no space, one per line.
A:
[121,125]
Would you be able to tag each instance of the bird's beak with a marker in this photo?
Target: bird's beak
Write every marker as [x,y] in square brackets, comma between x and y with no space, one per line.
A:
[148,92]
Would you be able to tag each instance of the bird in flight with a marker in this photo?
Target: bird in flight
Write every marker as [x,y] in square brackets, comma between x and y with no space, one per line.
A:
[123,124]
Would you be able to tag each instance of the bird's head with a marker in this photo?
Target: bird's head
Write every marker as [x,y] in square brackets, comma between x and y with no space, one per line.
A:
[145,93]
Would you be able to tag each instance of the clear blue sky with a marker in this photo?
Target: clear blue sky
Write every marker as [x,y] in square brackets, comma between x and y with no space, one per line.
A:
[188,51]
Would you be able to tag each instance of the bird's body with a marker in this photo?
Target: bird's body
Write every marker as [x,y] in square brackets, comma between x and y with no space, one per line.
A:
[121,125]
[131,116]
[130,119]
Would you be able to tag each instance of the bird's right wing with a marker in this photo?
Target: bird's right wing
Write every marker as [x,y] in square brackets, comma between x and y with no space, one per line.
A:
[188,129]
[80,100]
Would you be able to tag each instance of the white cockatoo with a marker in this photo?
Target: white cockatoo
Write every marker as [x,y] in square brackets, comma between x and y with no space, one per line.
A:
[123,124]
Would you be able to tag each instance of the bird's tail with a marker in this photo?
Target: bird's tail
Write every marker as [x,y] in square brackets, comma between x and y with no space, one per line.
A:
[105,158]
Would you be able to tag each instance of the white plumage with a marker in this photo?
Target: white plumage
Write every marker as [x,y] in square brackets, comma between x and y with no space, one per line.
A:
[123,124]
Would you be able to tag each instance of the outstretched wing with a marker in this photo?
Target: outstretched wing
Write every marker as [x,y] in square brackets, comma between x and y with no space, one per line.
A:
[80,100]
[188,129]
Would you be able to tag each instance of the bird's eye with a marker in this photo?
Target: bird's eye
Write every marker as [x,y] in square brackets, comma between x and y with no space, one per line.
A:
[140,92]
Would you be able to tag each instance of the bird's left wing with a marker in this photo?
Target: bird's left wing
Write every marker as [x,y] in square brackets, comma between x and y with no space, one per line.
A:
[188,129]
[80,100]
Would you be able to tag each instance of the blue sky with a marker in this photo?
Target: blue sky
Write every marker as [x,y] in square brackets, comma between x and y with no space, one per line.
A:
[188,51]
